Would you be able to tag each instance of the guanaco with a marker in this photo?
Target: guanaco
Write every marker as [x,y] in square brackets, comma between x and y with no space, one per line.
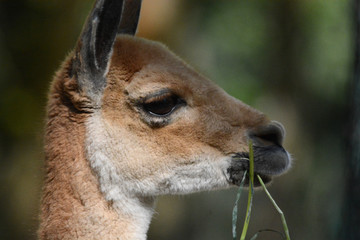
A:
[128,121]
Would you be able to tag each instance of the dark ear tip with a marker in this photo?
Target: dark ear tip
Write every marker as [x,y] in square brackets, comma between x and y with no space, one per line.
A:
[130,17]
[94,48]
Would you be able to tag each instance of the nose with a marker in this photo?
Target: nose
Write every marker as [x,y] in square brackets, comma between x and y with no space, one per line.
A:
[270,134]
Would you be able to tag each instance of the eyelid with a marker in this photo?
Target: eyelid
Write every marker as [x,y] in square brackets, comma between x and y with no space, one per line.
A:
[157,97]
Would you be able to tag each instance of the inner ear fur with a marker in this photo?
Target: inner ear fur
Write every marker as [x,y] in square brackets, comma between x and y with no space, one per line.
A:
[94,48]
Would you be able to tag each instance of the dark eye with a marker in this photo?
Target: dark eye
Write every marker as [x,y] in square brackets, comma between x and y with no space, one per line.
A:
[161,105]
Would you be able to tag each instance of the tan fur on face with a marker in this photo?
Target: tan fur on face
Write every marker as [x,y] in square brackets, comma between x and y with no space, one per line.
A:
[126,148]
[106,164]
[211,117]
[216,118]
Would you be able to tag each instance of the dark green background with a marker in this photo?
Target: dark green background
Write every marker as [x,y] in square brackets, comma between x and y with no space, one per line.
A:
[291,59]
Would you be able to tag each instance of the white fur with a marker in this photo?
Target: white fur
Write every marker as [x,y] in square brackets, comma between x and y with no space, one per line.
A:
[101,157]
[112,152]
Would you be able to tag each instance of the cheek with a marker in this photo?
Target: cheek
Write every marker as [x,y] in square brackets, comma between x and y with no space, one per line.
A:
[138,152]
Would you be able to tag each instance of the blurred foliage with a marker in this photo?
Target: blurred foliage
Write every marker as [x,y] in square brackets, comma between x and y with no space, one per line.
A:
[288,58]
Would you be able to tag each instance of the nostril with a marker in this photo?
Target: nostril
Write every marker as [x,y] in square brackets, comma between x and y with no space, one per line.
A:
[272,133]
[273,137]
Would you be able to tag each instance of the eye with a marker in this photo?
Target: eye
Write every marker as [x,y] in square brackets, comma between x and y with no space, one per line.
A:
[162,105]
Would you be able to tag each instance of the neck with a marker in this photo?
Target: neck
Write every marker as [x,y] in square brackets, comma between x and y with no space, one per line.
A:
[73,206]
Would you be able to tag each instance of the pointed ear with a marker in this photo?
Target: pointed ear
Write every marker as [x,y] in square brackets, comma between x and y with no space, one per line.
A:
[94,47]
[130,17]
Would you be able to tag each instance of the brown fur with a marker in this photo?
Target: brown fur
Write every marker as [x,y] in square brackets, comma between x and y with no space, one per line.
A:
[219,120]
[73,207]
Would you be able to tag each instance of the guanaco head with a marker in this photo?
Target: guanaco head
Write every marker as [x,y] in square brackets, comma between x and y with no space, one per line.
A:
[154,125]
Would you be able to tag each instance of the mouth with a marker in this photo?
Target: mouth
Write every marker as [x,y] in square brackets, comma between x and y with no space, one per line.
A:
[269,161]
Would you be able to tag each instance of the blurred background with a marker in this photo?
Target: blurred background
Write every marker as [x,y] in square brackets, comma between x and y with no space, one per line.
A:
[291,59]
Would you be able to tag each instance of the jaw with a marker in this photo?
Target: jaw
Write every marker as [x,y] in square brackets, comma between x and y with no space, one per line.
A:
[126,168]
[113,160]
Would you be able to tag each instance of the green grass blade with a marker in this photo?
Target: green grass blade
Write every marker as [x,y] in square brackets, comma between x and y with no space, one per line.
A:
[251,191]
[235,209]
[286,229]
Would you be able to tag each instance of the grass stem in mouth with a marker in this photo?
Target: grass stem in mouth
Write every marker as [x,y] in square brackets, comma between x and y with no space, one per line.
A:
[250,199]
[251,192]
